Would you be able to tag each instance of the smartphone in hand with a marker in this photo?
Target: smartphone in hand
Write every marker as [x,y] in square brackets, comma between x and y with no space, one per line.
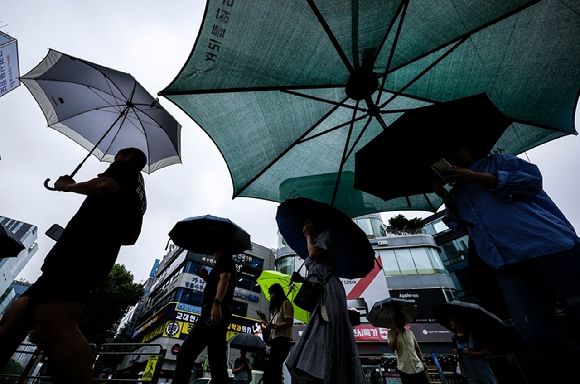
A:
[440,167]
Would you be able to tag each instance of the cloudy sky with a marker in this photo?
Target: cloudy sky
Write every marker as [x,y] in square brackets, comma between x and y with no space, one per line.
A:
[151,39]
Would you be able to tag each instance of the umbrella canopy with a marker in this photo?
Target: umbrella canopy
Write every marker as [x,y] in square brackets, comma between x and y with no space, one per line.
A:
[354,253]
[290,90]
[248,342]
[420,138]
[205,234]
[9,246]
[269,278]
[103,110]
[470,315]
[383,312]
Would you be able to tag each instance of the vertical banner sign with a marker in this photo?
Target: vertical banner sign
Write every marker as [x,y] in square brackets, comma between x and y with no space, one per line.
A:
[9,72]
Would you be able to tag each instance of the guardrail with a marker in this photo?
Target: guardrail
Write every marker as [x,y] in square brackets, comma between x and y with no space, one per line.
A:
[34,370]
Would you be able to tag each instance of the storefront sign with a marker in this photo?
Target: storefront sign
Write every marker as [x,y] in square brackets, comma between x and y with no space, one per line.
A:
[9,71]
[175,320]
[366,333]
[425,299]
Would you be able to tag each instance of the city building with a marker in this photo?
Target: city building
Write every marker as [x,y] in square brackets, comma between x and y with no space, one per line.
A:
[173,303]
[11,267]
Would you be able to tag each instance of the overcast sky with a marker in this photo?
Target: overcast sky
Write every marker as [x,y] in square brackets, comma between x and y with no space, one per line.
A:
[151,39]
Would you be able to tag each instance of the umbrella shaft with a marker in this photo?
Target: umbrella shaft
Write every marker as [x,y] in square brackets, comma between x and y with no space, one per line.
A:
[122,114]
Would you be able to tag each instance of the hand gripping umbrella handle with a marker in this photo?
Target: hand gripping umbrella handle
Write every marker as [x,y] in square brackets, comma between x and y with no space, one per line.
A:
[48,186]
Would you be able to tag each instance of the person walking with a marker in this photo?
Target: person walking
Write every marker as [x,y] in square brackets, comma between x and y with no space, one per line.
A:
[410,363]
[326,352]
[242,369]
[280,339]
[472,354]
[533,249]
[211,327]
[110,217]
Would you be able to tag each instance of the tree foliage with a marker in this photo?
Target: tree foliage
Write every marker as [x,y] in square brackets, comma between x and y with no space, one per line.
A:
[107,304]
[400,224]
[11,368]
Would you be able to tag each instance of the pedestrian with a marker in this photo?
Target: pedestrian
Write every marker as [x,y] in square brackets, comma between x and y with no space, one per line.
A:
[280,333]
[472,354]
[326,352]
[410,362]
[242,369]
[533,249]
[211,327]
[110,216]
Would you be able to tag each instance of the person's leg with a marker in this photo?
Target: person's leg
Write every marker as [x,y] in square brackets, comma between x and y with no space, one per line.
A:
[14,326]
[278,352]
[217,353]
[192,346]
[531,289]
[56,331]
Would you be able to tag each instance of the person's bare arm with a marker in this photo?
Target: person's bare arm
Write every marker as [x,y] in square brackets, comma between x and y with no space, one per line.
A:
[94,187]
[222,287]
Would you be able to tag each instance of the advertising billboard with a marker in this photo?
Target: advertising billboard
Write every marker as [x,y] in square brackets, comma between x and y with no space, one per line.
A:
[9,71]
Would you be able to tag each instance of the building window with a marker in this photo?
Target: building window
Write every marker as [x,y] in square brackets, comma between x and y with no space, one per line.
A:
[371,226]
[405,261]
[286,265]
[390,265]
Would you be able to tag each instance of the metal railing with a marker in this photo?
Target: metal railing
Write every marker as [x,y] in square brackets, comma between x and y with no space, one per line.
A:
[36,365]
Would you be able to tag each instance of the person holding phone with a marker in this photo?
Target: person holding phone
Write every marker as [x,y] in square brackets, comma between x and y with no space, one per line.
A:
[280,332]
[211,328]
[519,232]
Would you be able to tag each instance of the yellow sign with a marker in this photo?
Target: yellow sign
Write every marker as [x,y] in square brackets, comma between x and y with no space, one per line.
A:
[150,368]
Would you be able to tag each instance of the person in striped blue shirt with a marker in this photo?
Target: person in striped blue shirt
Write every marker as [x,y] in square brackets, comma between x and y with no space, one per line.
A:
[523,236]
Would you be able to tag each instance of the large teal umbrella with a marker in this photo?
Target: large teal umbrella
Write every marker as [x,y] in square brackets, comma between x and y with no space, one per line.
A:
[290,90]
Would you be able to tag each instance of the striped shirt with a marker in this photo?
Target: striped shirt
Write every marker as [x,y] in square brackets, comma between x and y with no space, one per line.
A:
[515,221]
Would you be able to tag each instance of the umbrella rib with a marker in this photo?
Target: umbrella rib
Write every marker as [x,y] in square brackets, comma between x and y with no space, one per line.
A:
[158,123]
[146,139]
[391,24]
[423,72]
[403,13]
[467,34]
[107,77]
[359,135]
[570,8]
[247,89]
[124,117]
[354,33]
[330,129]
[344,152]
[331,36]
[297,141]
[294,93]
[77,83]
[124,113]
[87,111]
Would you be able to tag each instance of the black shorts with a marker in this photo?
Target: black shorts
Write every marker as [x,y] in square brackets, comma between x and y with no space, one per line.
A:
[71,271]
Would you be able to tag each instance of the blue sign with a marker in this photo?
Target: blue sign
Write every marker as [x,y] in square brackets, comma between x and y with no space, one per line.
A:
[9,71]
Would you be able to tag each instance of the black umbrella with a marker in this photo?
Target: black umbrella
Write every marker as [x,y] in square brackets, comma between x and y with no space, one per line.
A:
[470,315]
[9,246]
[355,256]
[403,154]
[248,342]
[205,234]
[383,312]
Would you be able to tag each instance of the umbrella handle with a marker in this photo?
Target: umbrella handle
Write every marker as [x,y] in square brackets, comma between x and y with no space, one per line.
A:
[48,186]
